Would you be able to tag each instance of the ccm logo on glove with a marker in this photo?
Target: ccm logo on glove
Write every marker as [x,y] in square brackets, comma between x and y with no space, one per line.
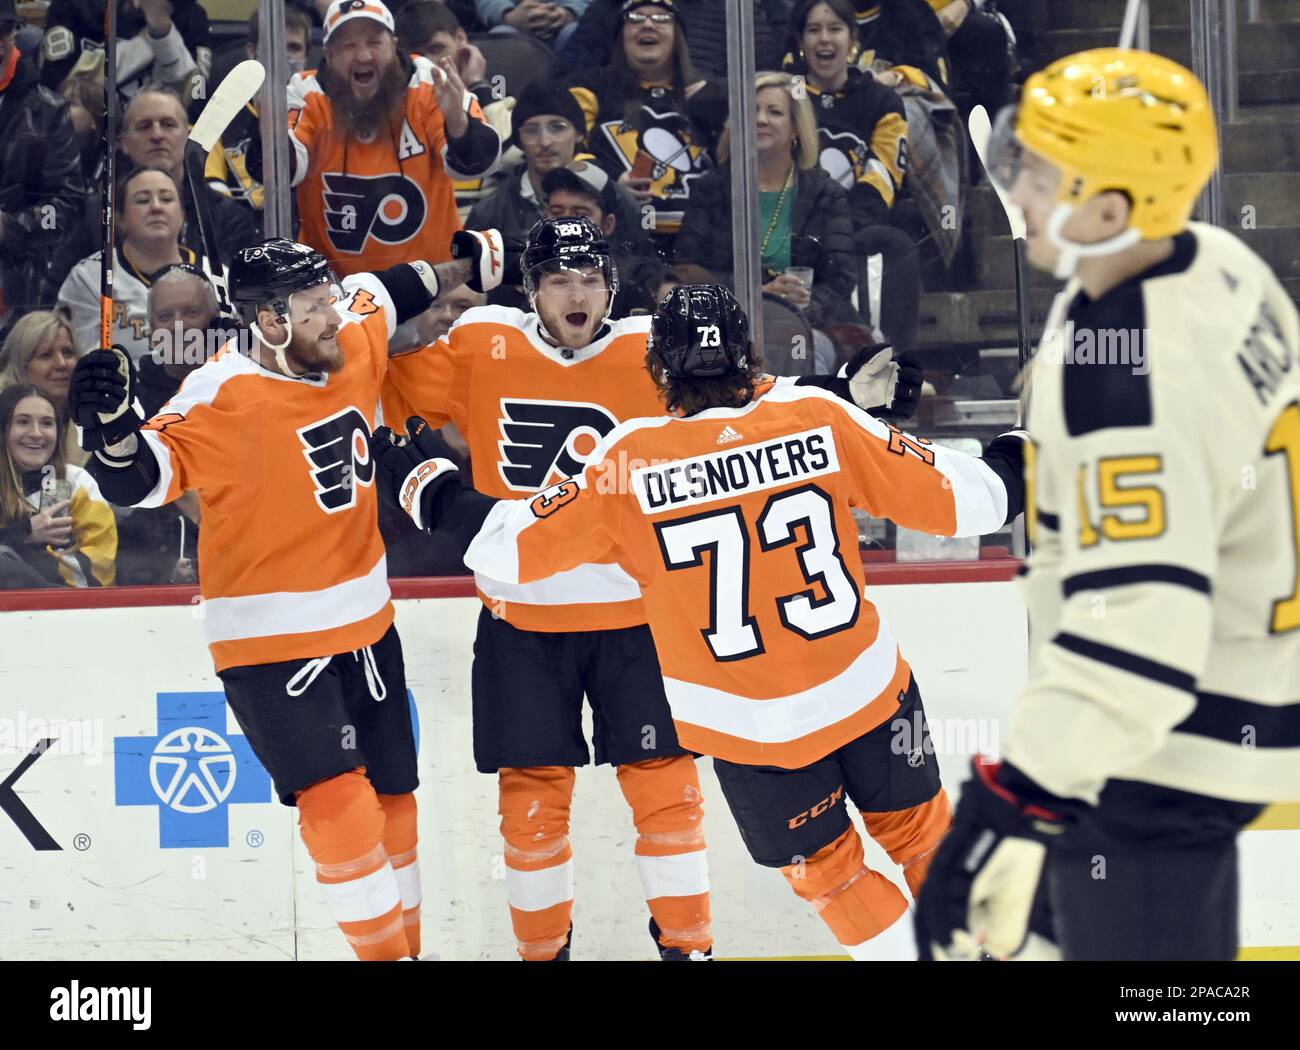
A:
[415,482]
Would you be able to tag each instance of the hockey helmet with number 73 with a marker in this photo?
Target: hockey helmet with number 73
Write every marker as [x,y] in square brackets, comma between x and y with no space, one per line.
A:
[700,331]
[1113,119]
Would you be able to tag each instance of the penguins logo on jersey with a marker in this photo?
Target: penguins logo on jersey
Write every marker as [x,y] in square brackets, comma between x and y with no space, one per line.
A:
[547,441]
[847,159]
[664,142]
[338,449]
[390,208]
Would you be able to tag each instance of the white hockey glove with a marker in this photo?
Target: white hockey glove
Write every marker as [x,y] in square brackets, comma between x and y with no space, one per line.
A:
[883,382]
[487,254]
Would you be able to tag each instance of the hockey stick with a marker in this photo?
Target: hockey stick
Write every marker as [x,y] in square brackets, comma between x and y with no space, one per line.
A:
[980,132]
[1128,32]
[231,96]
[108,216]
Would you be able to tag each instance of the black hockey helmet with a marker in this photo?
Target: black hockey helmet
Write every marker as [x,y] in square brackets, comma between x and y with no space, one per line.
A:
[270,272]
[699,331]
[567,243]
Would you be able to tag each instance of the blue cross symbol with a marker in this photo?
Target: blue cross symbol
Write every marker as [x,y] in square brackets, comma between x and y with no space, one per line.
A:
[192,771]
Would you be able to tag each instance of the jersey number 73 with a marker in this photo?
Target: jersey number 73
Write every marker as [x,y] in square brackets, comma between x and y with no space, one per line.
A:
[830,604]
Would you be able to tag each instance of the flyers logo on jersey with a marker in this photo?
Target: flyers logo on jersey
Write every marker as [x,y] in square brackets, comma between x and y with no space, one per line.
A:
[390,208]
[547,441]
[338,449]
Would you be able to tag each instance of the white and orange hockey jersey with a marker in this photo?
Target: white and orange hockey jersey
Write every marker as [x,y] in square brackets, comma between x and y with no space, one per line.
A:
[531,417]
[370,205]
[293,563]
[736,524]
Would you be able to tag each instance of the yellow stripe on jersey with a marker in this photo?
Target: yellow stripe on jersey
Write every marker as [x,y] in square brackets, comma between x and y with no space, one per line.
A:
[888,141]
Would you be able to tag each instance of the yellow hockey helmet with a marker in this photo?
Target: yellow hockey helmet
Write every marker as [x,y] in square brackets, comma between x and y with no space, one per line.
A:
[1115,119]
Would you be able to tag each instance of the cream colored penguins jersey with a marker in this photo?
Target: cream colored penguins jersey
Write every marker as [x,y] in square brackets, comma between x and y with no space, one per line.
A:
[1163,586]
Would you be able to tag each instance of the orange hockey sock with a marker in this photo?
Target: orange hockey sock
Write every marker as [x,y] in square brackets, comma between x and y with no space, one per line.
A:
[664,794]
[539,861]
[401,837]
[866,912]
[342,824]
[911,836]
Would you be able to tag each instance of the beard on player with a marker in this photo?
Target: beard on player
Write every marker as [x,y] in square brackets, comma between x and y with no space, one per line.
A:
[315,349]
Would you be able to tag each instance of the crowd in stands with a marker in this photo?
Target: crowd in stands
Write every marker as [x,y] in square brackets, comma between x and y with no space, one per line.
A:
[407,122]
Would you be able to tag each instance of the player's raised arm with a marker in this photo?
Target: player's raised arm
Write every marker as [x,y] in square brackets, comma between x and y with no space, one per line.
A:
[411,288]
[924,486]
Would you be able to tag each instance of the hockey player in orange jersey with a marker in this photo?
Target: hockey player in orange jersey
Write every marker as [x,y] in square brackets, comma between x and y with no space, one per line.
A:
[532,395]
[377,138]
[273,437]
[733,520]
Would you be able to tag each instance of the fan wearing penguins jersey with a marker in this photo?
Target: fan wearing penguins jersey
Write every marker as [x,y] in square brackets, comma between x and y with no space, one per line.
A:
[724,515]
[164,42]
[862,133]
[273,438]
[1162,710]
[533,394]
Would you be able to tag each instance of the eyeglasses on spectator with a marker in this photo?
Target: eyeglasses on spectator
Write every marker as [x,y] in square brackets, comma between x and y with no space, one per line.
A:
[637,18]
[531,132]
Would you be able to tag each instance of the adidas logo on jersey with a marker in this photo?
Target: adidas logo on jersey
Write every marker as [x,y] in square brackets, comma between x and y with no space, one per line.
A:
[728,435]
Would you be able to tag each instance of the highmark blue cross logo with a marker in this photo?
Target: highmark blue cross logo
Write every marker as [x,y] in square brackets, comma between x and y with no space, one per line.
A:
[192,771]
[194,768]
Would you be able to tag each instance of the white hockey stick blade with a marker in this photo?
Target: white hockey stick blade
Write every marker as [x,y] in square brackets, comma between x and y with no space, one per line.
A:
[232,94]
[980,133]
[1128,31]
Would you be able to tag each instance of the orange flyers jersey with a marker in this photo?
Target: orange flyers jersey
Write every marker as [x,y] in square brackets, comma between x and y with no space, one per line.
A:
[371,205]
[531,417]
[292,561]
[737,525]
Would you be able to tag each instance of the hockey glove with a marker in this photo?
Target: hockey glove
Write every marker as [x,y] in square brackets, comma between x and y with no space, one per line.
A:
[876,381]
[1005,456]
[102,399]
[883,383]
[411,470]
[486,252]
[980,889]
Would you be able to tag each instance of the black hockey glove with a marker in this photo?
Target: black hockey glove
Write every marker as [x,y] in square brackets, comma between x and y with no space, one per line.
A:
[102,399]
[980,889]
[485,250]
[410,471]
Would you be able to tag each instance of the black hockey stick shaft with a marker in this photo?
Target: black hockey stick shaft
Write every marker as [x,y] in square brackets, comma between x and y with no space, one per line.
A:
[1023,348]
[195,176]
[109,213]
